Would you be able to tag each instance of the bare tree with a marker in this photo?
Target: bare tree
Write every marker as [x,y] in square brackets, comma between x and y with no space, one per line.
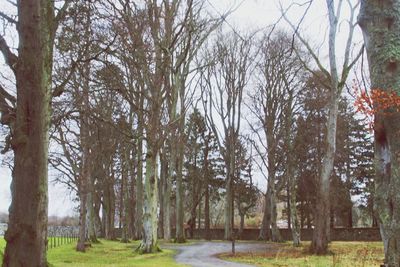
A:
[223,82]
[335,81]
[272,103]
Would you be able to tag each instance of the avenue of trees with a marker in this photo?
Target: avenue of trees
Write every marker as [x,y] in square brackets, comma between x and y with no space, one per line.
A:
[161,118]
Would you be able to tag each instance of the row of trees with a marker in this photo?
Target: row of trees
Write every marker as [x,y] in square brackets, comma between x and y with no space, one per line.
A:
[126,76]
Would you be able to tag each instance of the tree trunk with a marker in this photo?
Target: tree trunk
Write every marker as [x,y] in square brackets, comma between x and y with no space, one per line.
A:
[125,197]
[207,190]
[91,219]
[228,210]
[380,23]
[275,234]
[132,203]
[85,179]
[199,216]
[109,208]
[320,239]
[265,233]
[241,226]
[170,171]
[27,228]
[292,208]
[97,219]
[150,220]
[82,222]
[139,185]
[161,194]
[288,203]
[180,235]
[230,165]
[207,213]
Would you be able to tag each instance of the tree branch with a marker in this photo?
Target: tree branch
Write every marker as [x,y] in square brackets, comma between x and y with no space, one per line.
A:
[8,18]
[10,58]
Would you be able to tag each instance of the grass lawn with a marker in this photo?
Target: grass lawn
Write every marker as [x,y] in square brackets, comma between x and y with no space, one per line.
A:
[343,254]
[2,246]
[107,253]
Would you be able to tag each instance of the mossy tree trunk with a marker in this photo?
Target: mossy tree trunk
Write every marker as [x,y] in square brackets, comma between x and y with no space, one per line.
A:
[150,220]
[380,23]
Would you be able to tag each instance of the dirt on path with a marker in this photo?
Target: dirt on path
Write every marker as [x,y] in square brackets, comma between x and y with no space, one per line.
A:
[203,254]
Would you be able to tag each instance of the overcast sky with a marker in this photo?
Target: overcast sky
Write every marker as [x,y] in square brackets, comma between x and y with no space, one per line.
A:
[253,14]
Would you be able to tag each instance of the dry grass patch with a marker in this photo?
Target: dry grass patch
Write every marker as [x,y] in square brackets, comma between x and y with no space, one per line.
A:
[342,254]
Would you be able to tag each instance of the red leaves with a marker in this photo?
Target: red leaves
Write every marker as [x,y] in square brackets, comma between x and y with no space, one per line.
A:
[379,101]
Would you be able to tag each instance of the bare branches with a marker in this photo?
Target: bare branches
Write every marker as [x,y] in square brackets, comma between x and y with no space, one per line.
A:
[62,12]
[12,3]
[307,45]
[10,58]
[8,18]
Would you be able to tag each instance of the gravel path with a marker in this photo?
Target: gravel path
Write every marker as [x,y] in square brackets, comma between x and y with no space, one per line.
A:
[203,254]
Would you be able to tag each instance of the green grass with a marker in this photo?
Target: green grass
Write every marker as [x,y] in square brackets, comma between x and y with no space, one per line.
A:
[106,253]
[2,246]
[343,254]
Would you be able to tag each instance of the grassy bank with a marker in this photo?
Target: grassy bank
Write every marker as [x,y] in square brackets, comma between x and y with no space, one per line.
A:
[342,254]
[107,253]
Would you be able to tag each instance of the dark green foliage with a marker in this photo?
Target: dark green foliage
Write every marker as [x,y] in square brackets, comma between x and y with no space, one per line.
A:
[353,170]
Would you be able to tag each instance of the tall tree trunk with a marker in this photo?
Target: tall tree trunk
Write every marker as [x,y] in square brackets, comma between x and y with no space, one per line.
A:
[207,213]
[293,206]
[85,171]
[132,200]
[27,228]
[320,239]
[150,220]
[229,187]
[171,175]
[207,191]
[125,197]
[139,183]
[162,193]
[380,23]
[180,236]
[180,87]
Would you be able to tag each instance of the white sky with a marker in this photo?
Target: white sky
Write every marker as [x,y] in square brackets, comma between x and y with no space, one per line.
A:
[253,14]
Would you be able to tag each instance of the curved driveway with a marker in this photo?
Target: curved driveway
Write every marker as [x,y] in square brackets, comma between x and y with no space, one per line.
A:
[204,254]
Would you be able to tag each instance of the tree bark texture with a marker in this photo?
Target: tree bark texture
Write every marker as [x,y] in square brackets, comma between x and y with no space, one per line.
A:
[27,228]
[150,220]
[380,23]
